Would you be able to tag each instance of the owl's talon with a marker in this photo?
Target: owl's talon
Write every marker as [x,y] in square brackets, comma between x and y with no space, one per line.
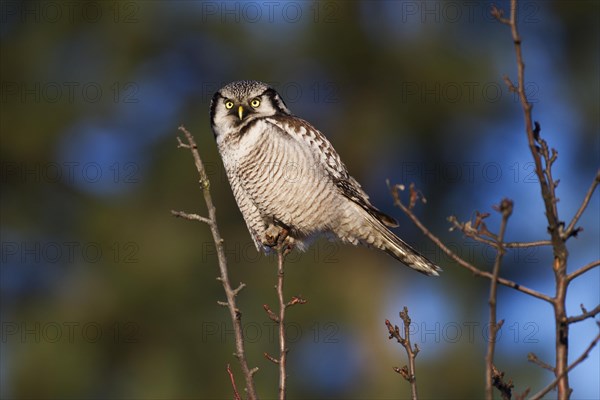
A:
[288,248]
[276,236]
[283,236]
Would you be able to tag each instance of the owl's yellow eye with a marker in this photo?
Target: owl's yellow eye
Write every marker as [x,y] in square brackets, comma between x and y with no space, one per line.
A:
[229,104]
[255,103]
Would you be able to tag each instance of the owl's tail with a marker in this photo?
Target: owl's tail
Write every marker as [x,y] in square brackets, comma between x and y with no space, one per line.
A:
[400,250]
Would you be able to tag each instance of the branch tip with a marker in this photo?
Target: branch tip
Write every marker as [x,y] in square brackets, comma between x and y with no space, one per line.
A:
[270,358]
[407,372]
[531,357]
[296,300]
[239,288]
[236,394]
[270,313]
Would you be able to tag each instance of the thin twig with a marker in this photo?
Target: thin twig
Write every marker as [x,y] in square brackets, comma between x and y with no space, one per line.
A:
[579,360]
[295,300]
[462,262]
[523,245]
[407,373]
[282,340]
[505,388]
[283,247]
[467,229]
[522,395]
[584,315]
[570,230]
[272,316]
[235,314]
[191,217]
[583,270]
[534,359]
[506,208]
[271,358]
[236,394]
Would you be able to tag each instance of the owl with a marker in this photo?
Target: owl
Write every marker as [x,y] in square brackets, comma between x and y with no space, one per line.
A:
[290,183]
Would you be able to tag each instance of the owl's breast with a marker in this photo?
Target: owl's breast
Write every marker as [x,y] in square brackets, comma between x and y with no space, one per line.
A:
[285,180]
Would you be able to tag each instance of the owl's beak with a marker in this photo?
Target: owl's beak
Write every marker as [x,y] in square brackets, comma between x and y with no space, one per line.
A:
[241,112]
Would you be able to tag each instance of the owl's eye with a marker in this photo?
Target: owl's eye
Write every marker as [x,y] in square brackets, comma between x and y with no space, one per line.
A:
[229,104]
[255,103]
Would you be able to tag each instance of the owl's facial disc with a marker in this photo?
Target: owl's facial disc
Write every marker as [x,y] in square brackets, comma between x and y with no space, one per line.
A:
[238,104]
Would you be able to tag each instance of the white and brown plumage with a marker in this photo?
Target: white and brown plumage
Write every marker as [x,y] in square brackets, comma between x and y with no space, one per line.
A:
[285,174]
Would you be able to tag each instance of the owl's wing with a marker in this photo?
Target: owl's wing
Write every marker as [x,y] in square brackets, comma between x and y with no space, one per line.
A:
[249,211]
[303,132]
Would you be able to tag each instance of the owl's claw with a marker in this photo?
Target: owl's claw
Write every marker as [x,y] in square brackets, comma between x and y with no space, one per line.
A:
[288,246]
[277,236]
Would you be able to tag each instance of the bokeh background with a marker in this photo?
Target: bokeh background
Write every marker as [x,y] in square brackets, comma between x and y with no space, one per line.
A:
[106,295]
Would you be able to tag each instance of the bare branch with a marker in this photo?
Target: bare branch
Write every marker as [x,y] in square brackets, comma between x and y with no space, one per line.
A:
[272,316]
[296,300]
[523,245]
[463,263]
[521,396]
[533,130]
[466,228]
[230,293]
[534,359]
[271,358]
[407,373]
[239,289]
[191,217]
[584,315]
[498,14]
[282,340]
[505,388]
[506,208]
[579,360]
[204,182]
[277,238]
[571,230]
[236,394]
[544,158]
[583,270]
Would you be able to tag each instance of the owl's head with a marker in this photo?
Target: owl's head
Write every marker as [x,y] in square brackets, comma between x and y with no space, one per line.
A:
[238,103]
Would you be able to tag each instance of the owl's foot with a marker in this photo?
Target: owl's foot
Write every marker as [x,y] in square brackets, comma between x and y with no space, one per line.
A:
[277,236]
